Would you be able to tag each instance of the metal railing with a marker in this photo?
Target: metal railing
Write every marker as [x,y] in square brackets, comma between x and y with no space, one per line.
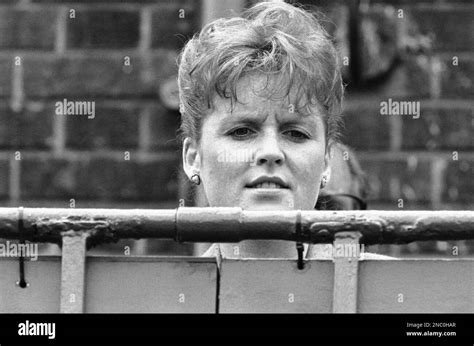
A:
[77,230]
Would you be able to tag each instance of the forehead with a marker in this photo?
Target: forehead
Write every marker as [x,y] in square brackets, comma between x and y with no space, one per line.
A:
[264,94]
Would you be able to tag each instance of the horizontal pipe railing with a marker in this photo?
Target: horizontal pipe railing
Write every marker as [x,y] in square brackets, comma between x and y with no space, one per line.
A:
[234,225]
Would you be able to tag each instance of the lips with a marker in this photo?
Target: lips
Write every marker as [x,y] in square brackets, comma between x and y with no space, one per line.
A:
[268,183]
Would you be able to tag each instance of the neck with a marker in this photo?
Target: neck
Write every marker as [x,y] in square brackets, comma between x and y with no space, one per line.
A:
[260,249]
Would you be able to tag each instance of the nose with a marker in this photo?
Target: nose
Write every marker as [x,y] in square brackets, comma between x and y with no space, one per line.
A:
[268,150]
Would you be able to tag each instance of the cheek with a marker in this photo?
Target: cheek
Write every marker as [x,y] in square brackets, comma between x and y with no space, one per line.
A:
[211,168]
[311,164]
[218,171]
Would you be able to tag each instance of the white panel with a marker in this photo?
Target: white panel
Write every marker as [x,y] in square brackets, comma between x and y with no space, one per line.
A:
[42,294]
[151,284]
[417,286]
[275,286]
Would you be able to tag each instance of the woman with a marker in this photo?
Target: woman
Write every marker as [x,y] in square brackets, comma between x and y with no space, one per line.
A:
[260,103]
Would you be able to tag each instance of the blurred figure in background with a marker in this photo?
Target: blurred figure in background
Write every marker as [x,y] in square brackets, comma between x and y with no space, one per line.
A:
[348,188]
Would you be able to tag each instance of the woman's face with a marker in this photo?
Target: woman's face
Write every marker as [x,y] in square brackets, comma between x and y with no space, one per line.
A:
[261,156]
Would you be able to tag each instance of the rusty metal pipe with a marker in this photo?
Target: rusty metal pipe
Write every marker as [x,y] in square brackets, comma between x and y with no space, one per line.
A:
[235,224]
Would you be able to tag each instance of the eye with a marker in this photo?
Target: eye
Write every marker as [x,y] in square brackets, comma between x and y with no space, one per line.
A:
[241,132]
[298,135]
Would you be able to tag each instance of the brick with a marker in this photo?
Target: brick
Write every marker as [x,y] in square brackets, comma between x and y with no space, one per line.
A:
[6,71]
[457,81]
[391,179]
[365,128]
[114,127]
[103,29]
[170,29]
[92,75]
[163,66]
[159,180]
[4,177]
[451,27]
[450,129]
[47,178]
[98,179]
[129,180]
[27,29]
[164,126]
[29,128]
[459,182]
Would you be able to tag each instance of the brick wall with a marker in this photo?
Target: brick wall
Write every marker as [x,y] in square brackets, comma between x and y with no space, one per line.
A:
[118,53]
[115,54]
[426,161]
[421,51]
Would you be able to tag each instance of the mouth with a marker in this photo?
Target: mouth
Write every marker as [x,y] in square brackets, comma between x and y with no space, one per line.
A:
[267,185]
[272,183]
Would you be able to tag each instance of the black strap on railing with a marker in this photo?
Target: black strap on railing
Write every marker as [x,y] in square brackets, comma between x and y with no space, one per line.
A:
[299,242]
[22,282]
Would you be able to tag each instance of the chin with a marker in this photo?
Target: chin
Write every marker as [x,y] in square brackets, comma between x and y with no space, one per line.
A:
[267,199]
[265,206]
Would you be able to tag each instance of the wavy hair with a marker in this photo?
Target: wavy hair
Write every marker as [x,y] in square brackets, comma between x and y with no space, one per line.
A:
[281,41]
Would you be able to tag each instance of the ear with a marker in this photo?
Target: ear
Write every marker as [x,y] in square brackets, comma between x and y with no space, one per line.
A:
[191,157]
[327,160]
